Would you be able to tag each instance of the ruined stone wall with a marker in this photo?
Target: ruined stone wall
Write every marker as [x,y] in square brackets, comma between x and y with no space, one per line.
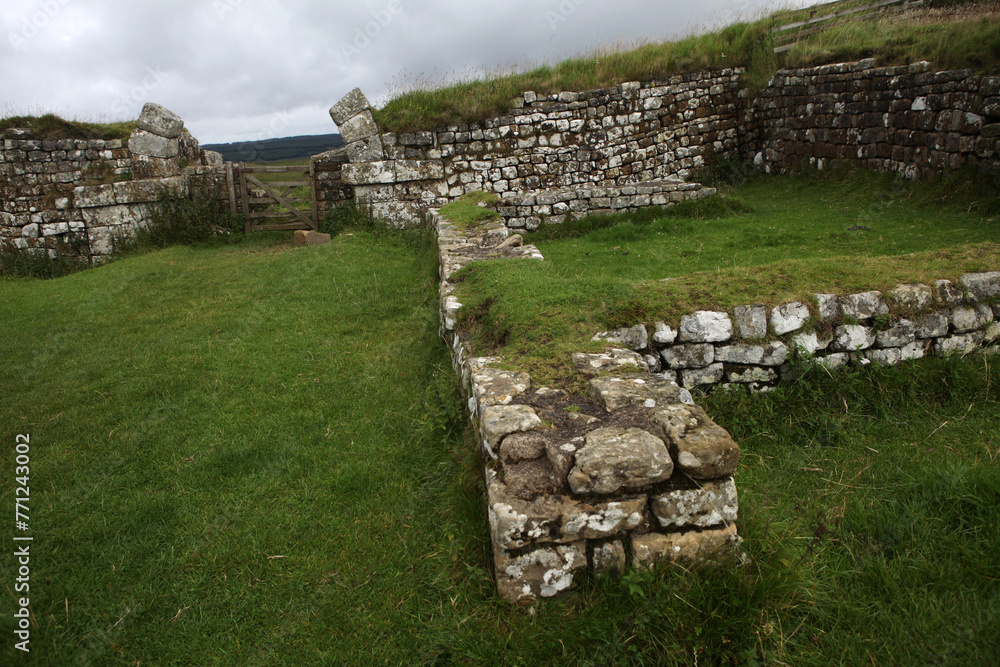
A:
[330,189]
[73,196]
[909,119]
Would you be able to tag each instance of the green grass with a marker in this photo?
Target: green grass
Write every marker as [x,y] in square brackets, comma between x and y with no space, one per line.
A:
[972,41]
[51,127]
[465,211]
[775,239]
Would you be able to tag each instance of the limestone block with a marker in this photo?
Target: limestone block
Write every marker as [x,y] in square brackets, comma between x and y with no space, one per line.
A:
[699,548]
[948,293]
[543,572]
[493,386]
[608,558]
[693,355]
[811,342]
[889,356]
[664,333]
[557,519]
[914,350]
[55,228]
[834,361]
[982,285]
[751,321]
[149,189]
[114,216]
[696,377]
[613,359]
[142,142]
[634,338]
[913,297]
[361,126]
[702,448]
[501,420]
[931,325]
[419,170]
[863,306]
[992,333]
[712,504]
[369,149]
[367,173]
[525,446]
[789,317]
[306,238]
[960,344]
[617,458]
[529,479]
[853,337]
[148,166]
[900,334]
[964,320]
[747,374]
[88,196]
[614,393]
[159,121]
[30,231]
[742,353]
[828,306]
[350,106]
[706,327]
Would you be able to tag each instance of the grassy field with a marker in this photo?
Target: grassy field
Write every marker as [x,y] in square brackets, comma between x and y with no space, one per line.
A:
[773,240]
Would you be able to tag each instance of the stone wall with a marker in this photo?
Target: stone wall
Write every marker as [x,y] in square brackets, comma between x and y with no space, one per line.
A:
[74,196]
[631,475]
[909,120]
[330,189]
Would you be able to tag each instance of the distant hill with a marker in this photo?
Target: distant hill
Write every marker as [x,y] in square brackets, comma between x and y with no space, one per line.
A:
[272,150]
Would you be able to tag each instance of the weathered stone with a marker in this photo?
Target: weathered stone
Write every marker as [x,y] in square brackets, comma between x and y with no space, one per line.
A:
[751,321]
[960,344]
[702,448]
[368,150]
[664,334]
[304,238]
[901,333]
[789,317]
[350,106]
[543,572]
[361,126]
[160,121]
[614,393]
[369,172]
[706,326]
[714,503]
[834,361]
[948,293]
[493,386]
[634,338]
[89,196]
[811,342]
[562,454]
[827,306]
[697,377]
[931,325]
[742,353]
[613,360]
[501,420]
[530,479]
[775,354]
[149,190]
[419,170]
[526,446]
[616,458]
[863,306]
[982,285]
[992,333]
[142,142]
[693,355]
[747,374]
[912,297]
[853,337]
[147,166]
[964,320]
[608,558]
[699,548]
[914,350]
[889,356]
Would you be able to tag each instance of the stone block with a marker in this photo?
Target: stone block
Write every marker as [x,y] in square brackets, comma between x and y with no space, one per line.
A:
[751,321]
[614,393]
[142,142]
[931,325]
[964,320]
[664,333]
[149,190]
[615,458]
[697,377]
[810,343]
[634,338]
[948,293]
[828,306]
[543,572]
[381,172]
[160,121]
[369,149]
[419,170]
[863,306]
[493,386]
[748,374]
[693,355]
[89,196]
[742,353]
[608,558]
[698,548]
[147,166]
[789,317]
[701,448]
[902,333]
[712,504]
[361,126]
[982,285]
[959,344]
[706,327]
[912,297]
[853,337]
[501,420]
[307,238]
[613,359]
[350,106]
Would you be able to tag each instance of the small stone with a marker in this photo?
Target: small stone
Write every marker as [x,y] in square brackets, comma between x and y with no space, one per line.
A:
[912,297]
[964,320]
[694,355]
[931,325]
[518,447]
[863,306]
[541,573]
[350,106]
[706,326]
[712,504]
[789,317]
[501,420]
[664,334]
[309,237]
[616,458]
[514,241]
[615,393]
[828,306]
[992,333]
[810,343]
[698,377]
[749,374]
[961,344]
[853,337]
[702,448]
[698,548]
[612,360]
[751,321]
[887,357]
[160,121]
[898,335]
[983,286]
[608,558]
[834,361]
[948,293]
[633,338]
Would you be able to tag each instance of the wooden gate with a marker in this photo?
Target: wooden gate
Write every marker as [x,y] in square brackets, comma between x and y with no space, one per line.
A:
[271,204]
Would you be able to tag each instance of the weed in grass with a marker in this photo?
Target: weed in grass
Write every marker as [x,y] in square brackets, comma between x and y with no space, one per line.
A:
[199,218]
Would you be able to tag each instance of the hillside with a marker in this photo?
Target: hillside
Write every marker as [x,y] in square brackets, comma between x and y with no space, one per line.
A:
[272,150]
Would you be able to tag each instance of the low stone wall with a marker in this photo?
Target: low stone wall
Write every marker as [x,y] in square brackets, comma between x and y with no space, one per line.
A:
[908,119]
[633,474]
[752,346]
[330,189]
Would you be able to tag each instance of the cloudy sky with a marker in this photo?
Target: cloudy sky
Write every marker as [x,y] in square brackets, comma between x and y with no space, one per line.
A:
[244,70]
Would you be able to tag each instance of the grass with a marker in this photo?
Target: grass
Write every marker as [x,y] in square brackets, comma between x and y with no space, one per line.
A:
[465,211]
[253,454]
[970,40]
[52,127]
[773,240]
